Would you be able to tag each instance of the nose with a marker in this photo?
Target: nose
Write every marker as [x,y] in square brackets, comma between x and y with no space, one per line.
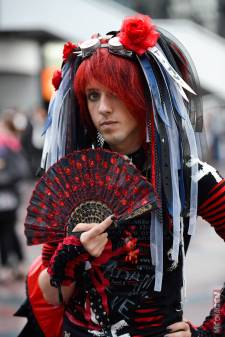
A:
[105,104]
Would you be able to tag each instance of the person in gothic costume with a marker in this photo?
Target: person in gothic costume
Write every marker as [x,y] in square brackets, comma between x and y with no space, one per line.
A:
[133,92]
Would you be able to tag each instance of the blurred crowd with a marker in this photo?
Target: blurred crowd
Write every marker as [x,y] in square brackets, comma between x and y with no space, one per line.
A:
[215,131]
[21,143]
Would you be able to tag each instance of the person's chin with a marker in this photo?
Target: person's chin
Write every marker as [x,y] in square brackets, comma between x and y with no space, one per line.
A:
[111,140]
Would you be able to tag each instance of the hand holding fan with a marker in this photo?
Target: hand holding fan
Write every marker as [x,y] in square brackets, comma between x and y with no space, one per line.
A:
[86,186]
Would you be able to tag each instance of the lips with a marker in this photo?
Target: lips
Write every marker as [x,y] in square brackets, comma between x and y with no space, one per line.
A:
[106,123]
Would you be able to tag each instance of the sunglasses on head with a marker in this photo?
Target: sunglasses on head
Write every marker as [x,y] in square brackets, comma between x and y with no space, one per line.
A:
[112,43]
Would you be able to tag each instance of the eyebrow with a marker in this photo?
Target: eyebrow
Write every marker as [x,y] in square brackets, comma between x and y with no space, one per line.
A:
[90,89]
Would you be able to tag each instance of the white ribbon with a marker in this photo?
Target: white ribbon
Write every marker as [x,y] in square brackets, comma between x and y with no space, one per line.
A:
[171,71]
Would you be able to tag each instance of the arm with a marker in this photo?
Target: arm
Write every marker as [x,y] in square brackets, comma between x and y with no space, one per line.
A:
[186,329]
[63,259]
[214,324]
[50,293]
[211,207]
[211,198]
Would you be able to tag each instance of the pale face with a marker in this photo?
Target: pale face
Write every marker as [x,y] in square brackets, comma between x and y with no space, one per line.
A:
[113,119]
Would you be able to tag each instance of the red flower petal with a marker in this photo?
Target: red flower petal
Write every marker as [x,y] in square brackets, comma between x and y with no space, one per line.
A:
[68,49]
[138,33]
[57,78]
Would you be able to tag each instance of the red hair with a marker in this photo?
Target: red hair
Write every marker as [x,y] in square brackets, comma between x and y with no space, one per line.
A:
[121,76]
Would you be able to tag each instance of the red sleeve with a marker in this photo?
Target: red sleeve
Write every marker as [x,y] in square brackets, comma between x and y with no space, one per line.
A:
[48,250]
[213,208]
[211,197]
[214,324]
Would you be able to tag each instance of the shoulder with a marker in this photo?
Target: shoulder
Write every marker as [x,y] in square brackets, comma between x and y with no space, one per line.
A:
[208,178]
[205,172]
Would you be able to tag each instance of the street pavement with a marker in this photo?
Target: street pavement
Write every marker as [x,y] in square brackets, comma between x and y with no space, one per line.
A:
[204,272]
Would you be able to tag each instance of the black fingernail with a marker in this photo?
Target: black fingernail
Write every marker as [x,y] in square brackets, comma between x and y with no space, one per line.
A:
[168,329]
[113,217]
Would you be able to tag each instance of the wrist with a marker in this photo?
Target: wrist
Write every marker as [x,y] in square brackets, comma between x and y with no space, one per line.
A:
[198,331]
[68,256]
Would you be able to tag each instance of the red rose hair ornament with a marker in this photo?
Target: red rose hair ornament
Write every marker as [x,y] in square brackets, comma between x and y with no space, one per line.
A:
[68,49]
[138,33]
[56,79]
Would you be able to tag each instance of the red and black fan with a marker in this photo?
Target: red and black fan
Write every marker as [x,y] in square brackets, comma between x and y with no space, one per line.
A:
[86,186]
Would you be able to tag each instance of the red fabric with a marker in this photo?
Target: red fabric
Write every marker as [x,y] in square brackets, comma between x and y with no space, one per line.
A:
[209,210]
[144,311]
[49,317]
[213,209]
[149,326]
[149,319]
[217,186]
[69,271]
[48,249]
[97,276]
[214,196]
[71,240]
[211,321]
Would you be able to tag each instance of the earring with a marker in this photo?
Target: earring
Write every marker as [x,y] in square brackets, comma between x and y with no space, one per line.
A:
[100,140]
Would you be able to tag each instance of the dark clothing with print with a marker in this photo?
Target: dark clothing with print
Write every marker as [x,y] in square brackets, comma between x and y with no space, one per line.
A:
[114,295]
[122,291]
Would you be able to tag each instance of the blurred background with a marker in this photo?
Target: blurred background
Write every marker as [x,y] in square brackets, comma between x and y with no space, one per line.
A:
[32,34]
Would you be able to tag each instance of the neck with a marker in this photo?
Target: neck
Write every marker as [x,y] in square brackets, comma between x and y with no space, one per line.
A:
[129,148]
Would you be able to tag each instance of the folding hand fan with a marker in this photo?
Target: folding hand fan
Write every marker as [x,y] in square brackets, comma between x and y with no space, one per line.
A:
[86,186]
